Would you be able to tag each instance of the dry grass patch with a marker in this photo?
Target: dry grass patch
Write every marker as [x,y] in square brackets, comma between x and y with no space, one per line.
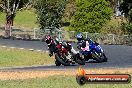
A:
[13,75]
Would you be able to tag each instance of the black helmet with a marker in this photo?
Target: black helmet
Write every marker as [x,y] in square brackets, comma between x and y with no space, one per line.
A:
[79,36]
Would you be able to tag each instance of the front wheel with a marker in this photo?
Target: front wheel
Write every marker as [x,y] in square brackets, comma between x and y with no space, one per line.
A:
[79,59]
[105,59]
[97,56]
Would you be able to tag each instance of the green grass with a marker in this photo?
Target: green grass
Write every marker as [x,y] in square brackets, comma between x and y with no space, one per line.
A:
[56,82]
[15,57]
[24,19]
[2,18]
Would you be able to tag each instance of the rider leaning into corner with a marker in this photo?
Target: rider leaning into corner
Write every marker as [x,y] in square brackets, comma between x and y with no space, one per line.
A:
[83,44]
[52,43]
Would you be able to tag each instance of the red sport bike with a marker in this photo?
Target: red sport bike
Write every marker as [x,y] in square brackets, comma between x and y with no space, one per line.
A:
[64,55]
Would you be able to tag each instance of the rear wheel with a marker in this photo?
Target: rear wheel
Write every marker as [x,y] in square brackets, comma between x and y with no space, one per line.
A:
[62,59]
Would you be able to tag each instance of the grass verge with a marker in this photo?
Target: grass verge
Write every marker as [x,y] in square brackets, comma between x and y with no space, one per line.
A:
[24,18]
[16,57]
[56,82]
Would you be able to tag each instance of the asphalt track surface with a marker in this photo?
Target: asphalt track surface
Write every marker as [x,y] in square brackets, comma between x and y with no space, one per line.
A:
[119,56]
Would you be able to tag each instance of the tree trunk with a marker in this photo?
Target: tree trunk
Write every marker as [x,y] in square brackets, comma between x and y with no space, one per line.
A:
[9,24]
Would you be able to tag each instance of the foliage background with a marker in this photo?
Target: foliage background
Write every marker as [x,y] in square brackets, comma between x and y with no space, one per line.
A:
[50,12]
[90,16]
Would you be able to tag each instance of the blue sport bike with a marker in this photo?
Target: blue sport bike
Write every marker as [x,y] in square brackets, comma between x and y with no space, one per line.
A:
[92,51]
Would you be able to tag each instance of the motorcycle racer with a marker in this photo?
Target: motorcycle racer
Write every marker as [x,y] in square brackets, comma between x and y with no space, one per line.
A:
[51,44]
[82,43]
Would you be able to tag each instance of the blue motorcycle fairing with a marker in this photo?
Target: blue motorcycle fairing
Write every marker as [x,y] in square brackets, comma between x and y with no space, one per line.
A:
[91,47]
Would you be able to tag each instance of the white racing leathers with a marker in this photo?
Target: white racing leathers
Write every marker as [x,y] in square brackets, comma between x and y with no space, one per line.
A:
[74,51]
[70,54]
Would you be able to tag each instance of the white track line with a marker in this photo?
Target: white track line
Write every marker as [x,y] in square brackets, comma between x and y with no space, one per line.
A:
[25,49]
[31,49]
[39,50]
[47,51]
[12,47]
[3,46]
[21,48]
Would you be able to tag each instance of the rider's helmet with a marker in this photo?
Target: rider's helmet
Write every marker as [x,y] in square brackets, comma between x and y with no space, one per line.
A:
[79,36]
[48,39]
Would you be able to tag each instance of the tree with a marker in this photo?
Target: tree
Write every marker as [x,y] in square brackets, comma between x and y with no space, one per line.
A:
[70,9]
[127,28]
[90,15]
[50,12]
[10,7]
[126,8]
[113,4]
